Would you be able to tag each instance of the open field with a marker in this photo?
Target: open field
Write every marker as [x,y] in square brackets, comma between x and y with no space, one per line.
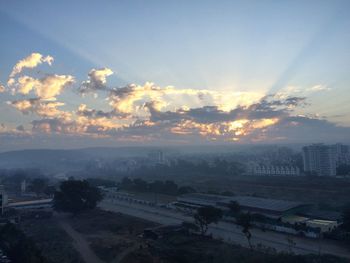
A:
[56,245]
[109,235]
[92,237]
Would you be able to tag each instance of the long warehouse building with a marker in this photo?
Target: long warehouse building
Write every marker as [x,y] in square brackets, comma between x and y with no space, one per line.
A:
[269,207]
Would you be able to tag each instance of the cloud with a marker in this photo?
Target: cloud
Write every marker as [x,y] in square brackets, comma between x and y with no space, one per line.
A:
[20,128]
[96,80]
[6,131]
[130,99]
[300,91]
[47,87]
[2,88]
[55,125]
[214,124]
[39,107]
[267,107]
[84,111]
[149,113]
[32,61]
[319,87]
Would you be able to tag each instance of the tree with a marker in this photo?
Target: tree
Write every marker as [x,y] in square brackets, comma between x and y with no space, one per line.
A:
[189,226]
[17,246]
[126,183]
[244,220]
[140,185]
[234,206]
[343,169]
[346,217]
[38,185]
[185,190]
[205,216]
[75,196]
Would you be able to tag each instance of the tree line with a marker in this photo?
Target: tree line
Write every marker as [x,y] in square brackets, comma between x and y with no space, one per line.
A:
[161,187]
[185,167]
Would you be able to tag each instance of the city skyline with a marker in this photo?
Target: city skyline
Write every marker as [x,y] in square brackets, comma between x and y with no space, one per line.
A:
[166,74]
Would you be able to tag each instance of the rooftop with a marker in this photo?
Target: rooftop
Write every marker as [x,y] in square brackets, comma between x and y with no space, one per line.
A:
[32,202]
[245,201]
[264,203]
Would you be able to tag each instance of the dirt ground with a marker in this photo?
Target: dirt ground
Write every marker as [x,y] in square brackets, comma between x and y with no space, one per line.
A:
[110,235]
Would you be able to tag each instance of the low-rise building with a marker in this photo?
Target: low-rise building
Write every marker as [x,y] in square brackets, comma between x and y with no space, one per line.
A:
[33,204]
[275,170]
[272,208]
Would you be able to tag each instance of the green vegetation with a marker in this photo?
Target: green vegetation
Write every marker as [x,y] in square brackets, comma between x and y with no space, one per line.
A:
[55,244]
[108,233]
[346,218]
[76,196]
[188,168]
[234,206]
[205,216]
[245,221]
[18,247]
[343,169]
[179,247]
[162,187]
[101,182]
[38,185]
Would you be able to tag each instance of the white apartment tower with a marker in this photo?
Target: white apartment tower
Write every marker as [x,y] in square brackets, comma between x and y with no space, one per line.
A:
[319,159]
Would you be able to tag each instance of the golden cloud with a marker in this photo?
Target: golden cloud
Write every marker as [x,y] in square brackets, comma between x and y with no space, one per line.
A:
[32,61]
[41,108]
[2,88]
[231,130]
[97,80]
[46,88]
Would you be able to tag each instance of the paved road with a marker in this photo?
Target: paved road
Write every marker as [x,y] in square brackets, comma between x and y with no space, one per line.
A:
[229,232]
[80,243]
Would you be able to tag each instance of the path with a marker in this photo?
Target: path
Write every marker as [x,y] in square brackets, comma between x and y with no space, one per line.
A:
[80,243]
[126,252]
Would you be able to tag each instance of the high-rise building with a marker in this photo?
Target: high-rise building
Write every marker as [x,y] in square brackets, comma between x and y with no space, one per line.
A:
[156,156]
[342,154]
[319,159]
[3,199]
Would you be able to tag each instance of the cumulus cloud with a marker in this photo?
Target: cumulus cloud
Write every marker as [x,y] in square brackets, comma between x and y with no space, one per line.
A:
[130,99]
[147,113]
[97,79]
[2,88]
[47,87]
[55,125]
[214,123]
[20,128]
[32,61]
[39,107]
[6,131]
[84,111]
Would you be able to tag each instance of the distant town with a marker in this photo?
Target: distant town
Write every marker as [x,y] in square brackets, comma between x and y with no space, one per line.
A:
[267,197]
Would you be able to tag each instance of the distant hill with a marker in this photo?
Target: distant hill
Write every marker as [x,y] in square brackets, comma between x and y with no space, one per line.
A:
[46,157]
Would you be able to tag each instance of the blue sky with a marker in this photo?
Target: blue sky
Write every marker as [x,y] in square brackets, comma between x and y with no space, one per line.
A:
[299,48]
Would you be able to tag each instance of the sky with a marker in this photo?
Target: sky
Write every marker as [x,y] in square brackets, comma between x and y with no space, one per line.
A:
[115,73]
